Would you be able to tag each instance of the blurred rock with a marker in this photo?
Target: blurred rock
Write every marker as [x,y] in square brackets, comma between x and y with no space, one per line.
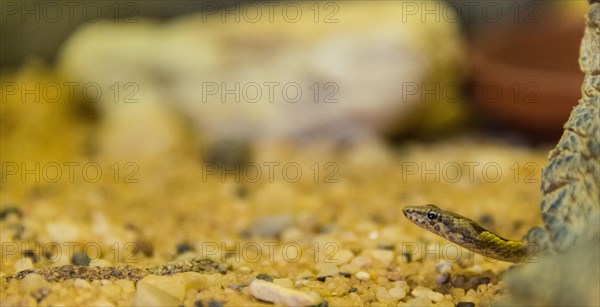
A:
[357,70]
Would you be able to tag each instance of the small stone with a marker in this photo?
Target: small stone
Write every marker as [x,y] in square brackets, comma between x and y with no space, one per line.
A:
[421,291]
[31,255]
[24,264]
[5,212]
[32,283]
[362,261]
[82,283]
[352,290]
[265,277]
[397,293]
[271,226]
[362,275]
[385,256]
[443,266]
[101,263]
[80,259]
[159,290]
[111,291]
[191,280]
[182,248]
[382,295]
[343,256]
[62,231]
[321,278]
[149,295]
[441,278]
[346,274]
[277,294]
[457,293]
[465,304]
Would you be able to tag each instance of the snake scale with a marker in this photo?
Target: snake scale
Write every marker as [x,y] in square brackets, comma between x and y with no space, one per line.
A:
[570,182]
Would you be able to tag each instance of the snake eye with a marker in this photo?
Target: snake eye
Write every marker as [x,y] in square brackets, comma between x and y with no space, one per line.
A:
[432,215]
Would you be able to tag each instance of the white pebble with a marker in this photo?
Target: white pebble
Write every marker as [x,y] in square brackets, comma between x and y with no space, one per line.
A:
[382,295]
[362,275]
[159,290]
[62,231]
[385,256]
[397,293]
[82,283]
[362,261]
[270,292]
[443,266]
[424,292]
[343,256]
[32,282]
[25,264]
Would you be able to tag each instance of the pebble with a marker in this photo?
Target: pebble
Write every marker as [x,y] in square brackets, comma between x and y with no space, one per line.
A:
[24,264]
[191,280]
[126,285]
[385,256]
[362,275]
[32,283]
[148,295]
[424,292]
[62,231]
[82,283]
[101,263]
[397,293]
[155,290]
[343,256]
[465,304]
[443,266]
[271,226]
[362,261]
[80,259]
[270,292]
[383,296]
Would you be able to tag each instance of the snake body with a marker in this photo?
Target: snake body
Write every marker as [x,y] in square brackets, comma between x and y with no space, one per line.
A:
[467,233]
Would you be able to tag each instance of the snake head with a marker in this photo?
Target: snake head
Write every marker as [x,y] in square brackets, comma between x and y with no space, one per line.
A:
[428,216]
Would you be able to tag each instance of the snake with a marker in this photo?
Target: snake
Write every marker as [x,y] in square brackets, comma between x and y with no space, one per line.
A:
[570,205]
[468,234]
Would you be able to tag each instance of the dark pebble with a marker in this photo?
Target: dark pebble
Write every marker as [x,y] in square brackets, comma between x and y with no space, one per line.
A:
[182,248]
[30,254]
[386,246]
[241,192]
[266,277]
[198,303]
[212,303]
[144,246]
[407,257]
[346,274]
[323,303]
[465,304]
[80,259]
[352,290]
[10,210]
[322,278]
